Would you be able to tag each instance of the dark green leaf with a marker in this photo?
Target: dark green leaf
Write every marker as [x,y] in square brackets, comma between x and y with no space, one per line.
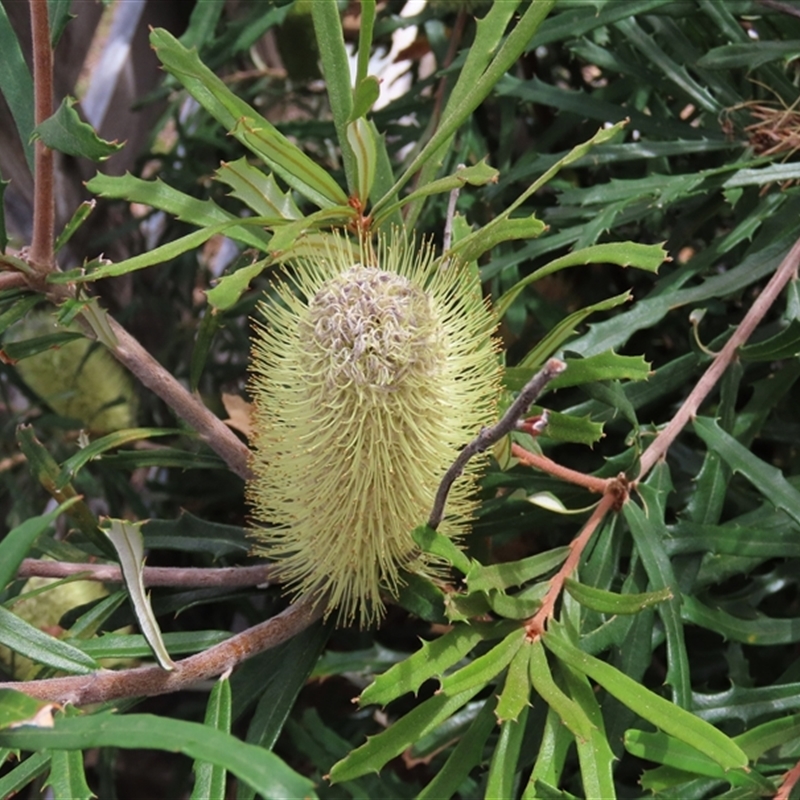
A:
[67,133]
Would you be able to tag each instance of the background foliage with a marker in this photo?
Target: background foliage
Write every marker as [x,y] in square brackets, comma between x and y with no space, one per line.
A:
[597,136]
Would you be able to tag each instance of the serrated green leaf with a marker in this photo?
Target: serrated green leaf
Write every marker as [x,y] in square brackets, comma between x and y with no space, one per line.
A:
[258,190]
[758,630]
[66,132]
[504,763]
[78,218]
[515,573]
[483,669]
[129,544]
[785,344]
[249,127]
[432,660]
[209,783]
[29,641]
[662,713]
[749,55]
[766,478]
[17,85]
[262,770]
[612,602]
[186,208]
[648,257]
[194,535]
[67,779]
[431,541]
[516,693]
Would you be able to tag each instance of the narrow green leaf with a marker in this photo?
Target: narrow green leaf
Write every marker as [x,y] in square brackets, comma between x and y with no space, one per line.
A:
[648,257]
[366,93]
[431,541]
[67,779]
[758,630]
[231,287]
[129,544]
[515,573]
[556,742]
[432,660]
[468,753]
[17,85]
[387,745]
[258,190]
[612,602]
[58,12]
[672,719]
[29,770]
[17,708]
[785,344]
[361,138]
[209,783]
[25,639]
[484,668]
[262,770]
[249,127]
[516,693]
[18,541]
[186,208]
[766,478]
[78,218]
[498,230]
[206,330]
[750,55]
[73,465]
[133,645]
[504,764]
[66,132]
[768,735]
[664,749]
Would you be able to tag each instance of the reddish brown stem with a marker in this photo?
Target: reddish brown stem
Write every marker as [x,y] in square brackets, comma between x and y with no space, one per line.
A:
[12,280]
[788,783]
[543,463]
[537,625]
[230,577]
[107,685]
[41,252]
[785,272]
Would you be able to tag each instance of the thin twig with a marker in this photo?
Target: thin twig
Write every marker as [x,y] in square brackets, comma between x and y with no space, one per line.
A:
[785,272]
[488,436]
[537,625]
[788,782]
[230,577]
[107,685]
[545,464]
[41,252]
[189,407]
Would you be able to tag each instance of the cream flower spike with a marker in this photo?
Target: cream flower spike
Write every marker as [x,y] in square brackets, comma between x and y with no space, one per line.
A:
[366,380]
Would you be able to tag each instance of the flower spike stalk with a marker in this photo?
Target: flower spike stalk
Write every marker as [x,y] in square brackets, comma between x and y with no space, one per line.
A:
[367,378]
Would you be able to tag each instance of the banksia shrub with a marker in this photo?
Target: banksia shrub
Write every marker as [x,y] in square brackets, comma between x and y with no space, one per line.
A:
[367,377]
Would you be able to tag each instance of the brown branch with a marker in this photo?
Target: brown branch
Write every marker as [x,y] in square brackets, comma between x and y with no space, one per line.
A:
[593,484]
[785,272]
[12,280]
[230,577]
[41,252]
[537,624]
[188,406]
[788,781]
[107,685]
[776,5]
[488,436]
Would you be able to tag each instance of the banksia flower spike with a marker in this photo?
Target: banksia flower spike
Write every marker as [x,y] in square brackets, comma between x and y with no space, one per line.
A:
[367,378]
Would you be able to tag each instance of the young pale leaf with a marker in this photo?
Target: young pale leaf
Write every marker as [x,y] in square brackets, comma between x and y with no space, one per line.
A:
[365,95]
[516,693]
[361,138]
[649,706]
[209,781]
[387,745]
[648,257]
[432,660]
[255,132]
[29,641]
[66,132]
[468,753]
[77,219]
[486,667]
[259,768]
[766,478]
[504,765]
[129,543]
[67,779]
[613,603]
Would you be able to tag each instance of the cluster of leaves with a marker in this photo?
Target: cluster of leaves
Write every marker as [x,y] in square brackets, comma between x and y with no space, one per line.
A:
[671,661]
